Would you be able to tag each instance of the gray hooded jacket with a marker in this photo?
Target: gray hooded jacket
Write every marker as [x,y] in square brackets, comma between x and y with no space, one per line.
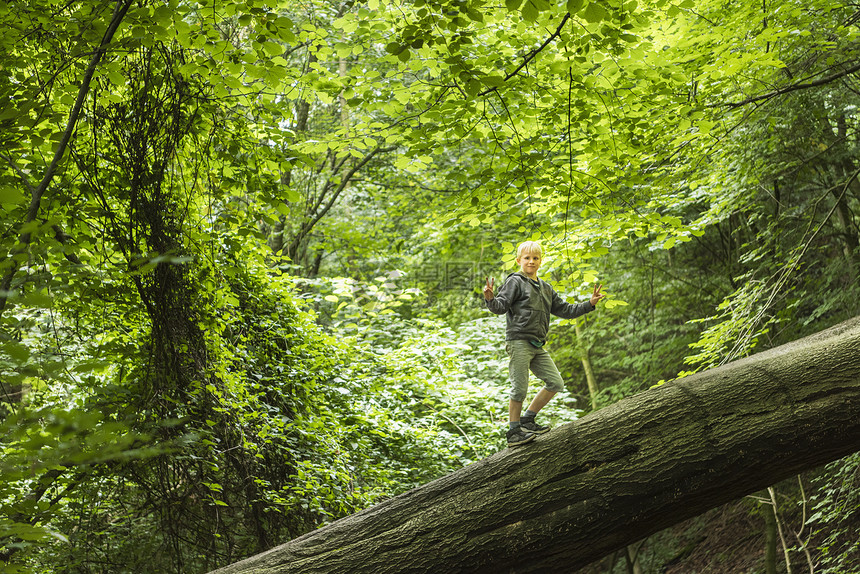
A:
[528,304]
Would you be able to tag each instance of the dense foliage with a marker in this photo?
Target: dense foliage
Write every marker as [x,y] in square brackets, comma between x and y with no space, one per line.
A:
[244,241]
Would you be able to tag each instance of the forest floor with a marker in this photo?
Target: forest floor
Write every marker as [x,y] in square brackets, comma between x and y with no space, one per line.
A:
[729,539]
[725,540]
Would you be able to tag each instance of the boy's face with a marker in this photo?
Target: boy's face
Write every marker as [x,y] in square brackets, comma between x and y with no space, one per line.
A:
[529,263]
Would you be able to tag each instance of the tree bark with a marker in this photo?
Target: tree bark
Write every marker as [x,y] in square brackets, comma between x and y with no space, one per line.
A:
[594,486]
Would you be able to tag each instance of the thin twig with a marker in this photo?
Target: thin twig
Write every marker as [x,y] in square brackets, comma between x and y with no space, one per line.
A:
[779,529]
[784,275]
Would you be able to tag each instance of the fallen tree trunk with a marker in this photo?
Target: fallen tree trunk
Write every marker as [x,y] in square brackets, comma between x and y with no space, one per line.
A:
[609,479]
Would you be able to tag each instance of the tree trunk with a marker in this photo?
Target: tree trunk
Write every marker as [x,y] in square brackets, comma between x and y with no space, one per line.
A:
[770,535]
[586,365]
[594,486]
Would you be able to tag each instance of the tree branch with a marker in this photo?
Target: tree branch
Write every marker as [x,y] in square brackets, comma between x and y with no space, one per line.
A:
[318,214]
[119,13]
[792,88]
[531,55]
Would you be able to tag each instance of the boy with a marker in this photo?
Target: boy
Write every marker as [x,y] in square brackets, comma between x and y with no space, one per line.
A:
[528,303]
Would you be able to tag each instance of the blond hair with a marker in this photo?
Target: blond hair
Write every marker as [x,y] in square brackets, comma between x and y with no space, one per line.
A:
[529,247]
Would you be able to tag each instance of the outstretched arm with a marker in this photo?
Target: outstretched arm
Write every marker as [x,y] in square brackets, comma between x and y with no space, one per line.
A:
[499,303]
[565,310]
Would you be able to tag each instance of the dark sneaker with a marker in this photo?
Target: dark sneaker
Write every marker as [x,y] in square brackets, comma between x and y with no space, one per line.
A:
[532,427]
[517,436]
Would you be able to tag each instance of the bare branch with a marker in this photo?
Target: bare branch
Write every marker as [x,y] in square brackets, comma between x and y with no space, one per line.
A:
[531,55]
[792,88]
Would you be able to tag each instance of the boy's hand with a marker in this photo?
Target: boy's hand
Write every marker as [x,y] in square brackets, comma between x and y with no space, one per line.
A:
[488,289]
[596,295]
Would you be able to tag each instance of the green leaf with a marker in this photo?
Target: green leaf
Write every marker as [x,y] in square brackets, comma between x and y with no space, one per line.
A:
[594,12]
[38,299]
[292,195]
[16,351]
[472,87]
[163,15]
[343,50]
[273,49]
[116,78]
[574,6]
[11,195]
[530,11]
[493,81]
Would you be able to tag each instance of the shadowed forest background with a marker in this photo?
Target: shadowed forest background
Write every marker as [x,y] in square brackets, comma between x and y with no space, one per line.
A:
[243,245]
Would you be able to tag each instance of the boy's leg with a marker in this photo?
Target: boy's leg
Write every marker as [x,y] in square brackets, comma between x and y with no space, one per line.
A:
[515,409]
[518,372]
[520,354]
[541,399]
[544,368]
[516,433]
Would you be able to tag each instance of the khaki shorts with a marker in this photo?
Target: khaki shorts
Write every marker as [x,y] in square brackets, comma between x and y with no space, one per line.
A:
[525,357]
